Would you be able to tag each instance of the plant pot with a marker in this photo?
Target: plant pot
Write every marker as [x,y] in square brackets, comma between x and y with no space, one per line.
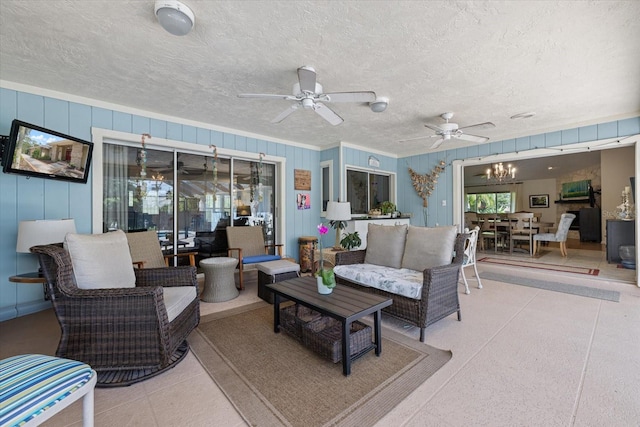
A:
[322,289]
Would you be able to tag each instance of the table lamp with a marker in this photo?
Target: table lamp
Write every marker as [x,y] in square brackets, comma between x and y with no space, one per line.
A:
[42,232]
[338,211]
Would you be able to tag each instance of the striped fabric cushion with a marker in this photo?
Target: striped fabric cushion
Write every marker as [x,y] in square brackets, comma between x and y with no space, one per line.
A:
[33,383]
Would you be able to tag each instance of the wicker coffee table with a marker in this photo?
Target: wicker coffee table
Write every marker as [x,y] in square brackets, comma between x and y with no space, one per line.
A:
[344,304]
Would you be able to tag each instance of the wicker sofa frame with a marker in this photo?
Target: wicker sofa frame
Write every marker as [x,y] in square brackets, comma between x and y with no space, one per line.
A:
[124,334]
[439,296]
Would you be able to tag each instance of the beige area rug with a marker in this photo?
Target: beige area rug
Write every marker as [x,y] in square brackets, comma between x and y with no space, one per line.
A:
[541,266]
[273,380]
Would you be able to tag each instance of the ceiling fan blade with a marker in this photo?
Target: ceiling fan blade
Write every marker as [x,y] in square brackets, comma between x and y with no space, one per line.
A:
[307,79]
[366,96]
[485,125]
[285,114]
[416,138]
[265,95]
[472,138]
[327,114]
[437,143]
[433,127]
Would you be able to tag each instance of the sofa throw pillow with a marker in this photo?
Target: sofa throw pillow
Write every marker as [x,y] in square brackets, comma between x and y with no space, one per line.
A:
[101,260]
[385,244]
[429,247]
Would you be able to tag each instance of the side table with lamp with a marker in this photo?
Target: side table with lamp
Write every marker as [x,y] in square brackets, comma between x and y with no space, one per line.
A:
[40,232]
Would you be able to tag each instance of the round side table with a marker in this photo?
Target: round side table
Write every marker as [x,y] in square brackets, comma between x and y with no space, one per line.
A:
[219,282]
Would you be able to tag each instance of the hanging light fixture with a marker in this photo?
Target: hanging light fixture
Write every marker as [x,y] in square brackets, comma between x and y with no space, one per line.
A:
[500,173]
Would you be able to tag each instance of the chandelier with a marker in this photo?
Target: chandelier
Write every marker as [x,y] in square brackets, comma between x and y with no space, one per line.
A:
[500,173]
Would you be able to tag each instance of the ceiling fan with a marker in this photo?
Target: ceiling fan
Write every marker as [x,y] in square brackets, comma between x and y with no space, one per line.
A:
[448,130]
[308,94]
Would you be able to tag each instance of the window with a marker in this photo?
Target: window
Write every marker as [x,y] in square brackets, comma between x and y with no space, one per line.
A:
[326,184]
[367,190]
[489,202]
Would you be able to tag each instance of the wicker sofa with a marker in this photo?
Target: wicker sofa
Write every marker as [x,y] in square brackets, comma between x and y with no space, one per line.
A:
[399,252]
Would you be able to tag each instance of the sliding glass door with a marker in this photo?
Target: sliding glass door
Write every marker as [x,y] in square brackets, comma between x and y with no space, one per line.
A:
[182,195]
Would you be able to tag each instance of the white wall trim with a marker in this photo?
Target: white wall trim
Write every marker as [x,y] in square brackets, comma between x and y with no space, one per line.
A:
[595,145]
[149,114]
[99,136]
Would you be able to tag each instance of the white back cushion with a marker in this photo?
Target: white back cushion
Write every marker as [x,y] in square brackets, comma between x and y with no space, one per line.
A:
[101,260]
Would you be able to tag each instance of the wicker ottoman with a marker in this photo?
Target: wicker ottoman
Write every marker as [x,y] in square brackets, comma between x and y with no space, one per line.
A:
[324,336]
[219,281]
[272,272]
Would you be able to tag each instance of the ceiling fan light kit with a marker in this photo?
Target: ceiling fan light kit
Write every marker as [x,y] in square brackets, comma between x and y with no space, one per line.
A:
[379,105]
[175,17]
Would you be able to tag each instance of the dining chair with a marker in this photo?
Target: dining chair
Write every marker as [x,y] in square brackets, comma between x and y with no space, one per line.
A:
[470,257]
[521,229]
[559,236]
[490,230]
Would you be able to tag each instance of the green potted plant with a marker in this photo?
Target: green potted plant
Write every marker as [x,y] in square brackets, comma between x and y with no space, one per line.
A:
[387,207]
[350,241]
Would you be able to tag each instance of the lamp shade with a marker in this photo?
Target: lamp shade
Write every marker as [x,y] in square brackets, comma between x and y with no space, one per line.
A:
[43,232]
[175,17]
[338,211]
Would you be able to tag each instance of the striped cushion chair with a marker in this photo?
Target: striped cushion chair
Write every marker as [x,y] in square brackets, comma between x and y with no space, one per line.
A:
[34,387]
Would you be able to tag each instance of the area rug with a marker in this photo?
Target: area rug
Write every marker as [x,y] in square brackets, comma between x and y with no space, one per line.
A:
[541,266]
[273,380]
[584,291]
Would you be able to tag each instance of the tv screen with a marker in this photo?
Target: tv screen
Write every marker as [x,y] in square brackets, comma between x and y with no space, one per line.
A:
[35,151]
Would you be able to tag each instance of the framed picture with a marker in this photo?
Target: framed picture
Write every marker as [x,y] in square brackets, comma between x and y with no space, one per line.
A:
[539,201]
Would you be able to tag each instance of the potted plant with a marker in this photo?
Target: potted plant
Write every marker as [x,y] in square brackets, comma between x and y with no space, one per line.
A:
[387,207]
[325,278]
[351,240]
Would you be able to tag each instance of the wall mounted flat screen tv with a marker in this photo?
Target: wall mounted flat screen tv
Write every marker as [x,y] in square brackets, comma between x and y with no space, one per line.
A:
[35,151]
[576,190]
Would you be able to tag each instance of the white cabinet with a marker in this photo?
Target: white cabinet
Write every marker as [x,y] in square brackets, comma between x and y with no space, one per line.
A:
[362,225]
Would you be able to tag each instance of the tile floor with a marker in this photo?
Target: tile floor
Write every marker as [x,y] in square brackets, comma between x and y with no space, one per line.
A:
[521,357]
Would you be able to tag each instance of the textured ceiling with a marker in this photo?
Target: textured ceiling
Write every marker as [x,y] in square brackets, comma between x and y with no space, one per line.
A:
[573,63]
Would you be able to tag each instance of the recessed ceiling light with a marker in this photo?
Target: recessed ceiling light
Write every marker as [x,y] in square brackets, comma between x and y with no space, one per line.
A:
[524,115]
[550,167]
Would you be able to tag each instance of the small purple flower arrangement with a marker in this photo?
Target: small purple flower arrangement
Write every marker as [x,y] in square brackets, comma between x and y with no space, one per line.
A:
[328,278]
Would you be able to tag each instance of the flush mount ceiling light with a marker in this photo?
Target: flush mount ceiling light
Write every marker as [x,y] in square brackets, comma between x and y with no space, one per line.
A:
[379,105]
[175,17]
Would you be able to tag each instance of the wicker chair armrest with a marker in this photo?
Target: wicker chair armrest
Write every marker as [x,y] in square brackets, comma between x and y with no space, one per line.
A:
[238,250]
[439,278]
[277,246]
[350,257]
[191,256]
[166,276]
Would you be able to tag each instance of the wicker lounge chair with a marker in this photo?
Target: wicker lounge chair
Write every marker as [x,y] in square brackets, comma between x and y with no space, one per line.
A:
[123,333]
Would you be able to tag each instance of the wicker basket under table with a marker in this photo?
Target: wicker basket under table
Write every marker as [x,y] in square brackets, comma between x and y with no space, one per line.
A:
[294,317]
[324,336]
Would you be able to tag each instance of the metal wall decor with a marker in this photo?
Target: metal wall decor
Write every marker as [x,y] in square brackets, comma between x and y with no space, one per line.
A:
[425,184]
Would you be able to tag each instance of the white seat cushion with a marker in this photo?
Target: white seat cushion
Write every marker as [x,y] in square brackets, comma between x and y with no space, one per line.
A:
[278,267]
[399,281]
[101,260]
[177,298]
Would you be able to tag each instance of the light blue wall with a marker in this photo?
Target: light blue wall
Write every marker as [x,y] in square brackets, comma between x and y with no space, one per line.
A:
[409,201]
[34,198]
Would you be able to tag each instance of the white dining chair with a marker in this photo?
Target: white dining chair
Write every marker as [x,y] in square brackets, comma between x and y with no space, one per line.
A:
[470,257]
